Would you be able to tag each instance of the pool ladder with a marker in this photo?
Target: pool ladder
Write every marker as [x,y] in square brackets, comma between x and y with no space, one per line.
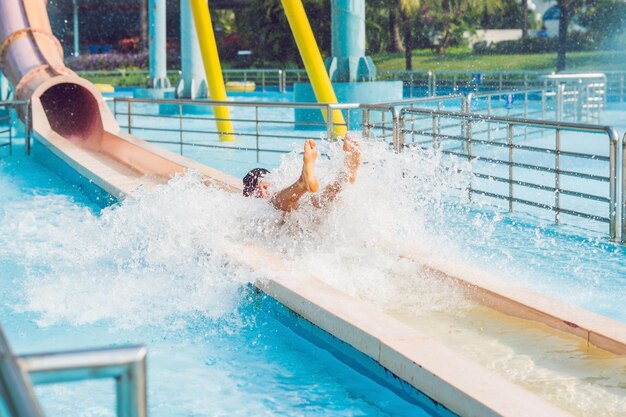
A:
[126,365]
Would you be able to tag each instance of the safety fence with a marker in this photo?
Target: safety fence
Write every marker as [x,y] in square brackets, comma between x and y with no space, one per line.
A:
[264,131]
[264,79]
[564,169]
[570,170]
[417,83]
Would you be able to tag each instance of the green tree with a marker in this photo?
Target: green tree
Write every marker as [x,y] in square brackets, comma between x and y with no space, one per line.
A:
[524,19]
[408,11]
[265,30]
[447,20]
[566,7]
[378,32]
[605,21]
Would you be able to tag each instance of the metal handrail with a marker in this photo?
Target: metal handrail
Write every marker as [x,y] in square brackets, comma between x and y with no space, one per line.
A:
[126,365]
[394,121]
[16,389]
[22,106]
[558,126]
[421,100]
[623,208]
[325,108]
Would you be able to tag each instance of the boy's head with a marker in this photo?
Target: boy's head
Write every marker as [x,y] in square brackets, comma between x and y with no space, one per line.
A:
[253,184]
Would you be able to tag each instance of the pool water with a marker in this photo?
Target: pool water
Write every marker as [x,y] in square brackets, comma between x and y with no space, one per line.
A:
[77,277]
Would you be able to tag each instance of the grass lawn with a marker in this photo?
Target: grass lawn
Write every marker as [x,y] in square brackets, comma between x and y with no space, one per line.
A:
[462,59]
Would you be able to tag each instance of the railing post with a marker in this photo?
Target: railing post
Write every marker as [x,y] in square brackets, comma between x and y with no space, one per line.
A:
[330,124]
[366,129]
[435,131]
[398,130]
[256,128]
[131,391]
[469,155]
[8,107]
[382,125]
[21,400]
[613,150]
[560,91]
[510,137]
[130,120]
[263,80]
[623,208]
[28,126]
[180,127]
[613,173]
[557,177]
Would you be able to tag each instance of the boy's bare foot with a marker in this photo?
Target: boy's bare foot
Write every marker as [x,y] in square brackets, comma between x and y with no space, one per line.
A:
[308,177]
[353,156]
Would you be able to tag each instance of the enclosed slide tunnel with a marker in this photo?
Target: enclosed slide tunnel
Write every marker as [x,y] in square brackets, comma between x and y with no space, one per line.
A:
[70,118]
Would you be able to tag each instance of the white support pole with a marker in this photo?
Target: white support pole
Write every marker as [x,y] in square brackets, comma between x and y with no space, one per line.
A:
[193,83]
[76,29]
[157,44]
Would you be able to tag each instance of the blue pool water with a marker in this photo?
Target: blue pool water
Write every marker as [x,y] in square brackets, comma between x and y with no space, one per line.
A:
[224,354]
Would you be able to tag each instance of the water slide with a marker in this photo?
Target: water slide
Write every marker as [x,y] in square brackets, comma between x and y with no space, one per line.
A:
[69,116]
[71,120]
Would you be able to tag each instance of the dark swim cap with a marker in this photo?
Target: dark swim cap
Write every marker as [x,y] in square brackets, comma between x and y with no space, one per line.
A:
[251,180]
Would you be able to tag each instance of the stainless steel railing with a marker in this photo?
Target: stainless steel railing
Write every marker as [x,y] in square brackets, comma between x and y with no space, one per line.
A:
[428,83]
[496,162]
[6,124]
[623,190]
[401,123]
[260,127]
[126,365]
[586,91]
[262,77]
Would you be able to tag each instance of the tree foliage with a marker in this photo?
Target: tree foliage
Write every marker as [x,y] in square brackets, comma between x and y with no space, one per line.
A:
[605,21]
[265,30]
[447,20]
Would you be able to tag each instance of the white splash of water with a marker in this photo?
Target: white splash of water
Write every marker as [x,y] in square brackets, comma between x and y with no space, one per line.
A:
[160,258]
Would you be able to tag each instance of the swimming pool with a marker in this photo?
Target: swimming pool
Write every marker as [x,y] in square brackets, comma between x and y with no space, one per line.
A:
[215,348]
[528,249]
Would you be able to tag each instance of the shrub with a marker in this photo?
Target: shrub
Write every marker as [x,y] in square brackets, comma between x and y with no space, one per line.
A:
[107,62]
[576,41]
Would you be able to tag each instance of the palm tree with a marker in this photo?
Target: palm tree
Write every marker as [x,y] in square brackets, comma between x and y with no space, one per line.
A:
[566,7]
[143,16]
[408,10]
[395,41]
[524,19]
